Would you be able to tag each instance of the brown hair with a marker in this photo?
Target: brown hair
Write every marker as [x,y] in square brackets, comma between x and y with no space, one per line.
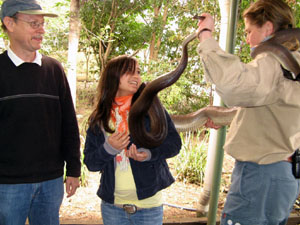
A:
[107,89]
[275,11]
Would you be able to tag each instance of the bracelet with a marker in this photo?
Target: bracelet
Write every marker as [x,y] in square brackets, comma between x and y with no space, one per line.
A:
[204,29]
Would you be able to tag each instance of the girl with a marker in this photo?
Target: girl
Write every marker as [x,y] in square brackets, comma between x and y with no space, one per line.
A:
[132,177]
[265,132]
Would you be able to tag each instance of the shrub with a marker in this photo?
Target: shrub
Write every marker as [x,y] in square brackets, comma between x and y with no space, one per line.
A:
[190,164]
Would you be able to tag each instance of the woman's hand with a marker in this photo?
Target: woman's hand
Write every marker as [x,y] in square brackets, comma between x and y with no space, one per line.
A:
[205,27]
[119,140]
[133,153]
[210,124]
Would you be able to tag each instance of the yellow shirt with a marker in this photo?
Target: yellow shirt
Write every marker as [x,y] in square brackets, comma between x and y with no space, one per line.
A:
[125,189]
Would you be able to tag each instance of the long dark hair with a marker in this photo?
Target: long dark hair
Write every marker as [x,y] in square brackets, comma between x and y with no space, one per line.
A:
[107,89]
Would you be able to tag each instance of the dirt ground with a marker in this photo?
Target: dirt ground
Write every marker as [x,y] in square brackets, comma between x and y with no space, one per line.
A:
[84,206]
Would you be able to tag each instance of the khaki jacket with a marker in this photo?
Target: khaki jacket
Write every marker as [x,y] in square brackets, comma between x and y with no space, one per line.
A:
[266,129]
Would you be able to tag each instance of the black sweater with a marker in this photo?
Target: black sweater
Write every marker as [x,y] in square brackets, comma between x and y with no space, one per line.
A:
[38,125]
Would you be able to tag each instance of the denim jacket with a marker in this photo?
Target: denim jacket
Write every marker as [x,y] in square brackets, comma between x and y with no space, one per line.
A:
[150,176]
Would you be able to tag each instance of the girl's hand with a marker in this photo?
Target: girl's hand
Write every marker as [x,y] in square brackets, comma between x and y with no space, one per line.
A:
[119,140]
[210,124]
[133,153]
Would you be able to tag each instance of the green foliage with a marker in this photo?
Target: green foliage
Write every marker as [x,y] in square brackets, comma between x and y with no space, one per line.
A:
[295,5]
[187,94]
[86,94]
[55,41]
[83,116]
[84,170]
[113,28]
[191,162]
[126,27]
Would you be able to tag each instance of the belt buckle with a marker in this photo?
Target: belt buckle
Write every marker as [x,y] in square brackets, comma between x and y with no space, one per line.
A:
[130,208]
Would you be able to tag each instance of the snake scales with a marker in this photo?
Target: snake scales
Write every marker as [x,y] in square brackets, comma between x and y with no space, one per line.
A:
[276,46]
[148,100]
[149,104]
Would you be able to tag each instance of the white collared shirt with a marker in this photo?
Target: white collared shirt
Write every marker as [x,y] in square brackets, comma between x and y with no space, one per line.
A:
[18,61]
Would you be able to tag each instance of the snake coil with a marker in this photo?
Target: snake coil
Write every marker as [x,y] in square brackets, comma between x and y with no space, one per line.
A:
[275,45]
[148,103]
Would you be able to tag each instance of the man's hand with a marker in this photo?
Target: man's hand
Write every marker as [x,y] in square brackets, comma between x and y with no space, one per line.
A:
[72,183]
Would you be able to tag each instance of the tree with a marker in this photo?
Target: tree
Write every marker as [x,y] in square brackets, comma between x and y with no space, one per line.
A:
[112,28]
[161,21]
[73,46]
[153,30]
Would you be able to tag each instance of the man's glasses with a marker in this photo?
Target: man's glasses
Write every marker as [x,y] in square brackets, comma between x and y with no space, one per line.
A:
[33,24]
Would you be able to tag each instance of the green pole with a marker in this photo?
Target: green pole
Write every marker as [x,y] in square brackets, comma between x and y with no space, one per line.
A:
[221,134]
[217,173]
[230,42]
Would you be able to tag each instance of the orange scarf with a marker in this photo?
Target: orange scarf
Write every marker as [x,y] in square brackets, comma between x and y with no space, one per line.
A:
[119,117]
[120,112]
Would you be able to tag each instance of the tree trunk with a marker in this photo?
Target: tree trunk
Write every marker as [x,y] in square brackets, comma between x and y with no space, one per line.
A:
[73,46]
[156,37]
[106,47]
[165,16]
[153,39]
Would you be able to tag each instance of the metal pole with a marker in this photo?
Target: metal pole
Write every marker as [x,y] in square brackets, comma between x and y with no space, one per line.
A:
[217,173]
[231,33]
[213,204]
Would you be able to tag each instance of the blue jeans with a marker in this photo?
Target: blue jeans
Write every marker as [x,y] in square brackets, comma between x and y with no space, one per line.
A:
[40,202]
[113,215]
[260,194]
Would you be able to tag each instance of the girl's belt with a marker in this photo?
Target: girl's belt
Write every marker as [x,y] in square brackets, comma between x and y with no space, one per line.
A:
[129,208]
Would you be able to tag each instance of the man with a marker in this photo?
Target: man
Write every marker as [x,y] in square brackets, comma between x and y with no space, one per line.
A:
[38,126]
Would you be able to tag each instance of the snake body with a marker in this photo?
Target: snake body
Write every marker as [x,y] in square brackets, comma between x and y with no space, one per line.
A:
[221,116]
[149,104]
[148,101]
[275,46]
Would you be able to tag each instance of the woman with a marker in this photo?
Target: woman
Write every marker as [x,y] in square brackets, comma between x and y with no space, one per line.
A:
[132,177]
[266,130]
